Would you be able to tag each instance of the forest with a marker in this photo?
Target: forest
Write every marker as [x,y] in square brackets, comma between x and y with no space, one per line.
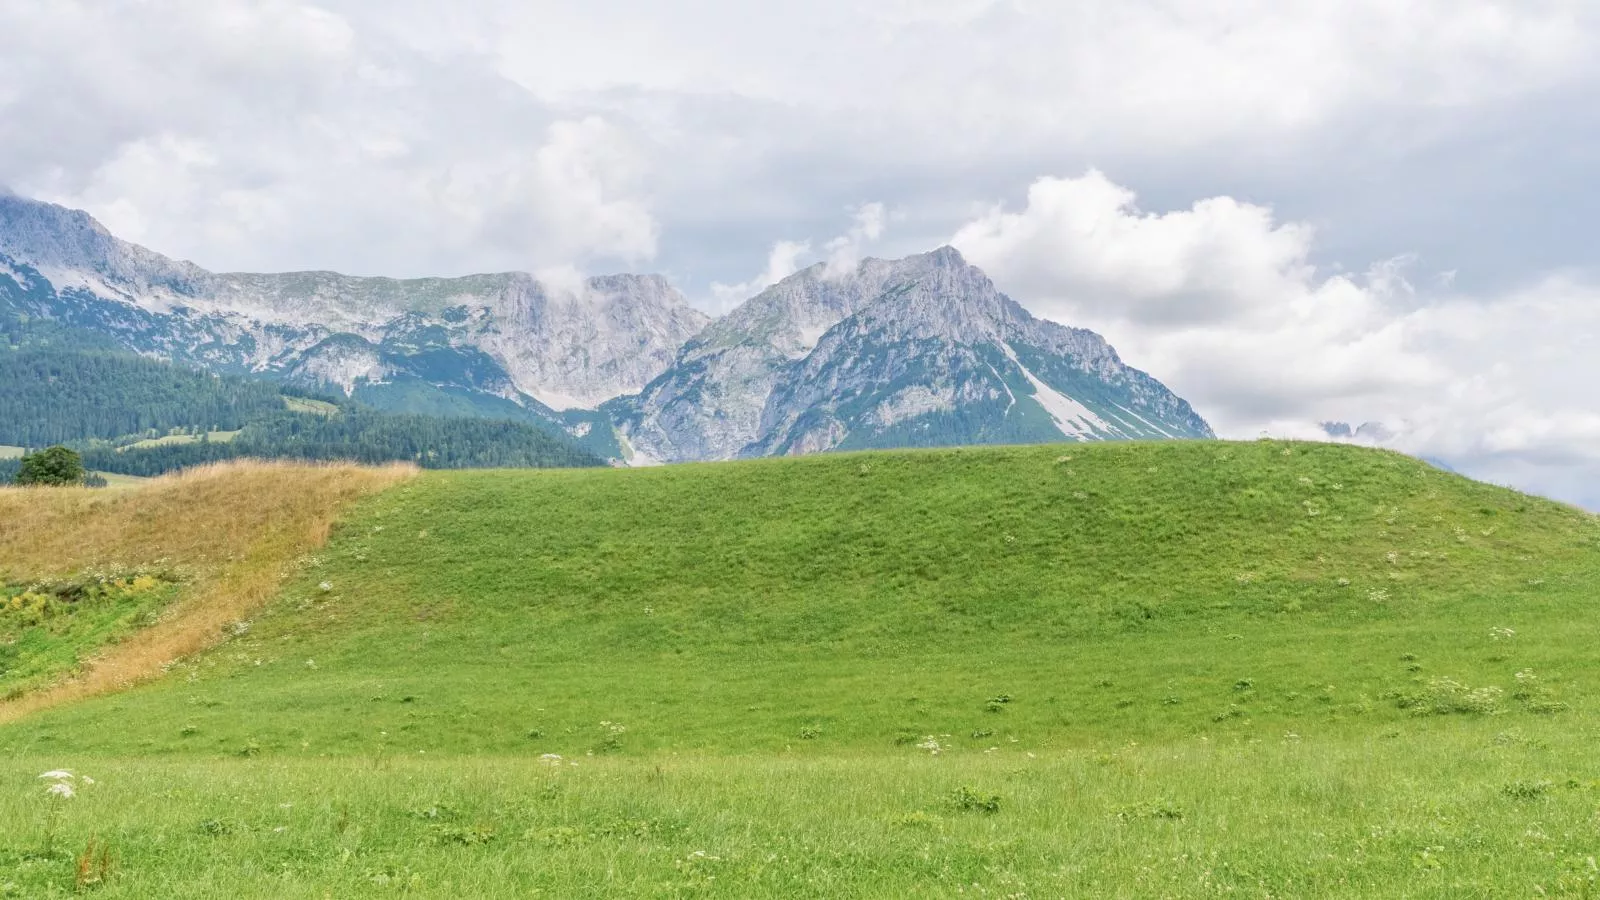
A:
[135,416]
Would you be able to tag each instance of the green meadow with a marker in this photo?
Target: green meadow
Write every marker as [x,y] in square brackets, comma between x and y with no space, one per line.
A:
[1186,669]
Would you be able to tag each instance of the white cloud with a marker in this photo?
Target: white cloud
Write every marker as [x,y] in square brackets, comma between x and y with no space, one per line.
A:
[1085,239]
[782,261]
[1221,301]
[841,253]
[996,72]
[846,250]
[371,119]
[284,135]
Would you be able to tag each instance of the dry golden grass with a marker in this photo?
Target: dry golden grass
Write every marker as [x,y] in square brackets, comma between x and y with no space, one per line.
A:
[234,528]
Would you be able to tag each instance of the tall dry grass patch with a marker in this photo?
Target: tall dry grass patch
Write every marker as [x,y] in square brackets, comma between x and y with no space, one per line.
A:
[233,528]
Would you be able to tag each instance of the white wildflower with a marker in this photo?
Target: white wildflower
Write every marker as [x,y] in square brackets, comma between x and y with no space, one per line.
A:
[61,789]
[57,775]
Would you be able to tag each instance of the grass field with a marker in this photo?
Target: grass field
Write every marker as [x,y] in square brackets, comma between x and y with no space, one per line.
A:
[86,574]
[219,437]
[305,405]
[1137,670]
[116,480]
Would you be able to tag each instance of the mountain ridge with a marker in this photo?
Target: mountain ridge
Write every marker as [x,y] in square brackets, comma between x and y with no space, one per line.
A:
[919,351]
[562,348]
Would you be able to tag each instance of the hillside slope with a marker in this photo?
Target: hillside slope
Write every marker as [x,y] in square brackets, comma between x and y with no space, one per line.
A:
[1177,669]
[845,584]
[109,587]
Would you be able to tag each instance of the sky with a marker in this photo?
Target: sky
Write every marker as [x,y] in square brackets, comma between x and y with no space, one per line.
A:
[1289,212]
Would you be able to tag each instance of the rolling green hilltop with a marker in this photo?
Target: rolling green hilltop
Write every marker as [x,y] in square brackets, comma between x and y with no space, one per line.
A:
[1175,669]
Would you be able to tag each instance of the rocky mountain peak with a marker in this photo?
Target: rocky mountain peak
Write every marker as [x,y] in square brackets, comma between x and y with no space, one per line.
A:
[72,249]
[565,348]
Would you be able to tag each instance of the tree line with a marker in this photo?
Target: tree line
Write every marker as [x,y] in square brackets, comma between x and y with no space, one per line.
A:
[359,435]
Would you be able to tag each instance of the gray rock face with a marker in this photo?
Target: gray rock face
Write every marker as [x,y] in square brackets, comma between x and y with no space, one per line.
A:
[564,348]
[915,352]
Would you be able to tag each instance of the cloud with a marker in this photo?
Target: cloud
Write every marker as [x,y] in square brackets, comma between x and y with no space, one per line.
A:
[782,261]
[1219,298]
[841,253]
[1221,301]
[1011,70]
[367,118]
[845,251]
[1085,238]
[286,135]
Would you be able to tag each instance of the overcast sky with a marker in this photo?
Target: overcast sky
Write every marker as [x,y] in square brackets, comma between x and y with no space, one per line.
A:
[1287,211]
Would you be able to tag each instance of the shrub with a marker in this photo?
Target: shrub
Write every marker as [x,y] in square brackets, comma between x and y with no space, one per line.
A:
[1527,790]
[968,800]
[1446,696]
[52,466]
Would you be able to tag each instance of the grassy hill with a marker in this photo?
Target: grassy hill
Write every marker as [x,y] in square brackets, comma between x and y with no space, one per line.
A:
[1179,669]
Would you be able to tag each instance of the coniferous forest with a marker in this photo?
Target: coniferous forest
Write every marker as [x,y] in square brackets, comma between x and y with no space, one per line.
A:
[135,416]
[361,435]
[59,396]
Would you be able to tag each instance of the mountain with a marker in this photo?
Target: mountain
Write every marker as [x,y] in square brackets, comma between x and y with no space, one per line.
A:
[1375,433]
[922,351]
[506,335]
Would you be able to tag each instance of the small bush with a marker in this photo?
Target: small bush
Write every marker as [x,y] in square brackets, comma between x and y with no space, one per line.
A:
[968,800]
[1446,696]
[1527,790]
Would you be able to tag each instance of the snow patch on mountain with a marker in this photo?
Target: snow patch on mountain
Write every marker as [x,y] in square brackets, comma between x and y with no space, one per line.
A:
[1073,418]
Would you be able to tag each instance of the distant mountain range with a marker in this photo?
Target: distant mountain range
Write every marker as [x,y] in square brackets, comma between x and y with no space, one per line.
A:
[920,351]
